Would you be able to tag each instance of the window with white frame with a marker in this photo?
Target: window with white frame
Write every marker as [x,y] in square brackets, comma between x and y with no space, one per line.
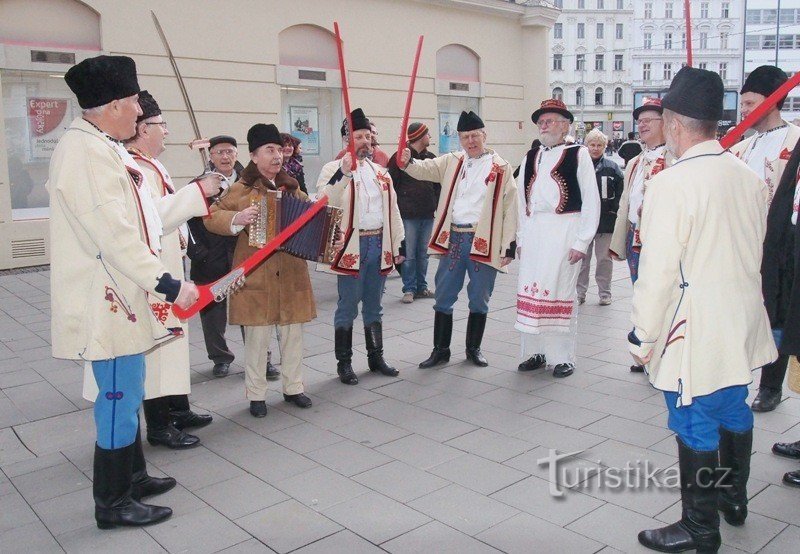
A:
[618,96]
[702,65]
[558,30]
[557,62]
[600,30]
[723,70]
[599,62]
[668,71]
[646,71]
[558,93]
[620,4]
[579,96]
[580,61]
[581,4]
[598,96]
[668,40]
[620,31]
[723,40]
[704,10]
[618,62]
[647,41]
[599,4]
[726,10]
[668,10]
[648,10]
[581,30]
[703,41]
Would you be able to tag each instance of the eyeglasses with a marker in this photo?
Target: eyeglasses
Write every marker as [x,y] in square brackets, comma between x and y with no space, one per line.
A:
[225,152]
[548,122]
[162,123]
[648,121]
[471,136]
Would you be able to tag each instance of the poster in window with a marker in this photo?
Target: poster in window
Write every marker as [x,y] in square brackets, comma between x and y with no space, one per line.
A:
[448,135]
[305,127]
[48,118]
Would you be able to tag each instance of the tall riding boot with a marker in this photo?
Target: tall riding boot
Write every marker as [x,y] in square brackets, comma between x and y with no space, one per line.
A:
[442,332]
[374,335]
[142,484]
[475,326]
[734,461]
[113,504]
[182,415]
[698,528]
[343,348]
[160,429]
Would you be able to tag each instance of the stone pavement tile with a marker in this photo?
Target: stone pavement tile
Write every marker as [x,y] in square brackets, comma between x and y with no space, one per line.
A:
[240,496]
[273,463]
[770,468]
[343,541]
[376,517]
[202,470]
[58,433]
[201,531]
[462,386]
[24,376]
[288,526]
[581,379]
[11,449]
[159,456]
[628,409]
[31,464]
[304,438]
[35,355]
[612,453]
[275,421]
[251,546]
[407,391]
[777,503]
[417,420]
[436,537]
[68,512]
[490,445]
[525,533]
[463,509]
[220,393]
[790,406]
[631,391]
[16,512]
[571,470]
[565,414]
[348,458]
[533,496]
[10,414]
[642,496]
[28,343]
[551,435]
[321,488]
[479,474]
[325,415]
[754,536]
[510,400]
[400,481]
[515,381]
[371,432]
[786,541]
[349,397]
[419,451]
[627,431]
[775,421]
[28,539]
[568,394]
[50,482]
[121,540]
[615,527]
[180,499]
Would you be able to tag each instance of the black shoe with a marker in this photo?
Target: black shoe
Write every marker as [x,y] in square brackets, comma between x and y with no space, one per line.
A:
[563,370]
[766,400]
[374,336]
[537,361]
[142,484]
[113,504]
[637,369]
[299,400]
[343,348]
[258,408]
[442,333]
[734,462]
[698,528]
[221,369]
[476,323]
[187,419]
[172,438]
[792,478]
[787,449]
[272,372]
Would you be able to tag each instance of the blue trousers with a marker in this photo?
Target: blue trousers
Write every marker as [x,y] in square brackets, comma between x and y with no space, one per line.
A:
[121,390]
[631,255]
[697,424]
[450,277]
[366,287]
[415,268]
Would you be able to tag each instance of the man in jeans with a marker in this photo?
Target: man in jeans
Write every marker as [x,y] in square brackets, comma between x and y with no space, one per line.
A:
[417,201]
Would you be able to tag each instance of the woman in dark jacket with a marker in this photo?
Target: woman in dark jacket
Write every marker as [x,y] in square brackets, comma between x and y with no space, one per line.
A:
[293,160]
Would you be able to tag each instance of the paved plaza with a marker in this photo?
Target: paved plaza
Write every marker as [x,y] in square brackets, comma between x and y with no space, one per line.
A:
[433,461]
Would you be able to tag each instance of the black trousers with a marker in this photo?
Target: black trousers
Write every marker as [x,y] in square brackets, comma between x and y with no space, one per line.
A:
[214,319]
[157,410]
[772,374]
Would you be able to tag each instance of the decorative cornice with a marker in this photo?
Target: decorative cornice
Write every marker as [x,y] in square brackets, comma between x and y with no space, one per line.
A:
[533,13]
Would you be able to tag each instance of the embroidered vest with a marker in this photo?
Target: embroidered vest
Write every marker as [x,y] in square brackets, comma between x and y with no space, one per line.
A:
[565,174]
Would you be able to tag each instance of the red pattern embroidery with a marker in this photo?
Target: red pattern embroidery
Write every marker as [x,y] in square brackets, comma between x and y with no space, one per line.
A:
[443,236]
[544,309]
[348,260]
[387,257]
[384,180]
[492,177]
[658,166]
[785,154]
[481,246]
[160,310]
[117,303]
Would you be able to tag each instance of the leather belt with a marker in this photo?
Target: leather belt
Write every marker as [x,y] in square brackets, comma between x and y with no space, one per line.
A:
[463,228]
[370,232]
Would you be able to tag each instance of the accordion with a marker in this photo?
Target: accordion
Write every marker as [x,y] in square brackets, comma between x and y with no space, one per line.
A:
[276,211]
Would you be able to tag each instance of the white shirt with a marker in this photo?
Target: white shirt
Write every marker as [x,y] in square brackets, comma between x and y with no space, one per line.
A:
[764,148]
[370,197]
[471,189]
[646,161]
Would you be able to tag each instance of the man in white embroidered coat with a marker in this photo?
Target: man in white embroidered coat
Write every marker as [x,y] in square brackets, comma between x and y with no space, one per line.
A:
[767,153]
[559,209]
[373,231]
[699,320]
[474,227]
[168,381]
[104,274]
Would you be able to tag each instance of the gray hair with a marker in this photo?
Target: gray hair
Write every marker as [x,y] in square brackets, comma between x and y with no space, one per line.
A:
[596,135]
[704,128]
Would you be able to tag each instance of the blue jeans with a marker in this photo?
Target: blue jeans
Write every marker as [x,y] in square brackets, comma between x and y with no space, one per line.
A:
[415,268]
[697,425]
[631,255]
[116,409]
[366,287]
[453,266]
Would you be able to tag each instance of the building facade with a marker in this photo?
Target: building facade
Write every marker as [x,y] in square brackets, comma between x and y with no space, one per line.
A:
[250,61]
[590,62]
[659,47]
[772,36]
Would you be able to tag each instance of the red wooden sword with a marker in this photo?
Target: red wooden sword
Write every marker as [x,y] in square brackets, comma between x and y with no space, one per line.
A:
[401,143]
[351,147]
[687,12]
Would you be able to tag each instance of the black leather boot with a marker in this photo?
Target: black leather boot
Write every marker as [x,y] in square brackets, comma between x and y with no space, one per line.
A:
[160,429]
[113,504]
[182,415]
[442,333]
[698,528]
[766,400]
[475,326]
[343,348]
[734,462]
[374,335]
[142,484]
